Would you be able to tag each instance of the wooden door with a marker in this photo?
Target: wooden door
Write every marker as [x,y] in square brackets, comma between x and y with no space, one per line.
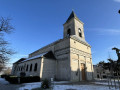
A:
[83,71]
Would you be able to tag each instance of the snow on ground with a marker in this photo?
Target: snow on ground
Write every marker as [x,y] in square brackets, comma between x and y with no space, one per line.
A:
[29,86]
[3,81]
[94,86]
[81,87]
[106,83]
[102,83]
[61,82]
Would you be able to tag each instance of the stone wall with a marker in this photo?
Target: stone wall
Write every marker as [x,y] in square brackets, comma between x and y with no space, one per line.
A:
[80,54]
[21,67]
[47,69]
[62,53]
[79,24]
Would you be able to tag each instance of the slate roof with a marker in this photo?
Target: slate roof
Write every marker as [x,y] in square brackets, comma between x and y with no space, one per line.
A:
[34,57]
[20,60]
[72,15]
[46,54]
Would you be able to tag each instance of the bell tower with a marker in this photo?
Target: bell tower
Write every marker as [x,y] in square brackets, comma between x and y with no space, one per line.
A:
[73,26]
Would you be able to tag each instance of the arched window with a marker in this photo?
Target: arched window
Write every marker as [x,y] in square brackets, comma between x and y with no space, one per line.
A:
[31,67]
[35,67]
[17,68]
[21,68]
[27,68]
[68,32]
[80,32]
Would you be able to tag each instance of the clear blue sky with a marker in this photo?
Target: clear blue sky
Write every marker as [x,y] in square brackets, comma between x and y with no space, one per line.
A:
[40,22]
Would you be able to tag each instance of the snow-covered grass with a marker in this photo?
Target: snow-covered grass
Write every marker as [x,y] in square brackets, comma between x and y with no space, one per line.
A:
[105,82]
[59,82]
[102,83]
[29,86]
[3,81]
[81,87]
[70,87]
[93,86]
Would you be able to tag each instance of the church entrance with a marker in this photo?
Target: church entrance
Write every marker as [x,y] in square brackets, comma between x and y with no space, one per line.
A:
[83,71]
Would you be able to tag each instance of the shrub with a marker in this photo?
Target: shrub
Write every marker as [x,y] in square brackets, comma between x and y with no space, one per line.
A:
[29,79]
[7,77]
[3,76]
[22,74]
[45,84]
[13,80]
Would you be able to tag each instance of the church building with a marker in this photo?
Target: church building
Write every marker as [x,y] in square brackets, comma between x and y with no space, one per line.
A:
[67,59]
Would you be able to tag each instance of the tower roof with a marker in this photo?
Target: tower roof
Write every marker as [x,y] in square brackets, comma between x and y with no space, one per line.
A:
[72,15]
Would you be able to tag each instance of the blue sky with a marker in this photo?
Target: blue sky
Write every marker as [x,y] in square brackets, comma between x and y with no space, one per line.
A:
[40,22]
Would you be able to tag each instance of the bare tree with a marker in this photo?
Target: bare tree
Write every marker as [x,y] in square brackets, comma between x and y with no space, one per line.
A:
[7,71]
[5,52]
[5,25]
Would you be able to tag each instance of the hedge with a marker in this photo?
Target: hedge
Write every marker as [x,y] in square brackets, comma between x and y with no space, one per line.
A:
[3,76]
[16,80]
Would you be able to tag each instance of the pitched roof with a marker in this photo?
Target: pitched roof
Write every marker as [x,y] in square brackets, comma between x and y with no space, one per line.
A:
[49,55]
[72,15]
[34,57]
[20,60]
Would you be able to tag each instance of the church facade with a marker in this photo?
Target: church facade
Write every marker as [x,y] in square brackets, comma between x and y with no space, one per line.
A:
[67,59]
